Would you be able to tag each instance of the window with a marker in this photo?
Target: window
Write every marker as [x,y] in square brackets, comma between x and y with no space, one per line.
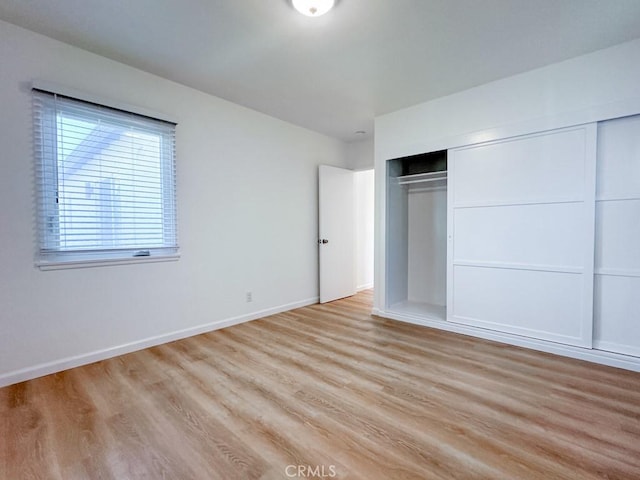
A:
[106,182]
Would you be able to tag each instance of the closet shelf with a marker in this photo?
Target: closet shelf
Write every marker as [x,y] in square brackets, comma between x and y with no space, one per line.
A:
[422,178]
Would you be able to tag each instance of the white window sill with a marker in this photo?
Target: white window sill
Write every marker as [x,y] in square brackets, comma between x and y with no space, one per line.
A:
[103,262]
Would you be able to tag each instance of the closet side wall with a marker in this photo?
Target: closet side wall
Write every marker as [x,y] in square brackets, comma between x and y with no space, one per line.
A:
[396,236]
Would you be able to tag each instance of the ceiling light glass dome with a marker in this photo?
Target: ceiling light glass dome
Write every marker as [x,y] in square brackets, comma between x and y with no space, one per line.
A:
[313,8]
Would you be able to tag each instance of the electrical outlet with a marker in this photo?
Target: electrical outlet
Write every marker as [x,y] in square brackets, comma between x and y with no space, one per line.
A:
[249,297]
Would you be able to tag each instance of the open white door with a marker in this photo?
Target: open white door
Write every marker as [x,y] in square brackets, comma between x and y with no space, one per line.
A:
[336,233]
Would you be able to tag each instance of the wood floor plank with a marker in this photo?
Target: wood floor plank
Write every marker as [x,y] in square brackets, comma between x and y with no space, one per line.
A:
[334,391]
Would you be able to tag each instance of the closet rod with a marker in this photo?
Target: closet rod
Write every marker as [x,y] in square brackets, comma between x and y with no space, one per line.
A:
[422,177]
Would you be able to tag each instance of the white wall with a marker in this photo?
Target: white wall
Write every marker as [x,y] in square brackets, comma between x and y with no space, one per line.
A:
[247,219]
[360,157]
[360,154]
[603,84]
[364,190]
[605,77]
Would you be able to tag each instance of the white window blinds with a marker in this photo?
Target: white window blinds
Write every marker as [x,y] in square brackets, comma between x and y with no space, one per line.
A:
[106,181]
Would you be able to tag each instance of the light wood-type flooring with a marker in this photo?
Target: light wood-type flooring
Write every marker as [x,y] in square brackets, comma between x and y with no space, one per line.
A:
[326,391]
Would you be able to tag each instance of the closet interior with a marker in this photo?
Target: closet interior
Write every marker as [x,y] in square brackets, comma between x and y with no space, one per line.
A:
[417,235]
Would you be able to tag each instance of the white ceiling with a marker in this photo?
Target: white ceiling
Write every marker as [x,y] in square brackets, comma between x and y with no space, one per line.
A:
[334,73]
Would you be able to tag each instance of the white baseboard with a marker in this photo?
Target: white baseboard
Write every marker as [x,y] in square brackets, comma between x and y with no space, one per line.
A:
[366,286]
[42,369]
[617,347]
[611,359]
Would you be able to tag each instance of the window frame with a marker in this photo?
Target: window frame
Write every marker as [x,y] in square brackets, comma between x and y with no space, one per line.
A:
[47,185]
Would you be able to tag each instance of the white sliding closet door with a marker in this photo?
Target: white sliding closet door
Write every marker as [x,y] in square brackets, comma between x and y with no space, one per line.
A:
[617,287]
[521,235]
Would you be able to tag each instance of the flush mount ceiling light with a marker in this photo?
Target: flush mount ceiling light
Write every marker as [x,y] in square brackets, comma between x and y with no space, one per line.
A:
[313,8]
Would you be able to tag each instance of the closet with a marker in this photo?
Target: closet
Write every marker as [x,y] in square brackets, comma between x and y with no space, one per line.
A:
[532,239]
[417,235]
[497,235]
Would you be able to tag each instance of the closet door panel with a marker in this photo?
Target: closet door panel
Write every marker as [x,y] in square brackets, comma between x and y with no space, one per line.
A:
[544,305]
[521,235]
[618,236]
[617,260]
[617,314]
[527,235]
[619,158]
[525,169]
